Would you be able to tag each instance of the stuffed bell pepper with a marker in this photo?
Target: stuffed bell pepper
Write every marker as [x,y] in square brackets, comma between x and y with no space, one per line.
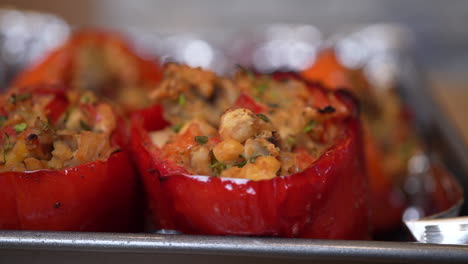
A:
[251,155]
[102,62]
[64,163]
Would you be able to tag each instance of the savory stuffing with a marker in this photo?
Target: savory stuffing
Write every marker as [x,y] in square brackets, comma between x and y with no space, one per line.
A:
[248,126]
[53,130]
[109,70]
[100,62]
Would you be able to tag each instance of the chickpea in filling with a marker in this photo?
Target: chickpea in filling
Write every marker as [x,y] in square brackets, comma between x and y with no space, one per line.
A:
[30,140]
[211,135]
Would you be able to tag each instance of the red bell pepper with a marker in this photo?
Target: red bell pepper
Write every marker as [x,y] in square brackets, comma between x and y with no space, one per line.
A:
[326,200]
[96,196]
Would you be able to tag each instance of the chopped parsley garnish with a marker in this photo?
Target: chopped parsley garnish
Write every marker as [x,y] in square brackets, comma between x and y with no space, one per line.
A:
[84,126]
[86,99]
[181,100]
[216,165]
[6,146]
[202,140]
[261,88]
[3,119]
[291,140]
[263,117]
[241,164]
[45,125]
[67,114]
[309,126]
[177,128]
[21,127]
[19,98]
[275,94]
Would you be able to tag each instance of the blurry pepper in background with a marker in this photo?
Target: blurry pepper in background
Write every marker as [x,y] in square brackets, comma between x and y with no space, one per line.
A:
[386,131]
[99,61]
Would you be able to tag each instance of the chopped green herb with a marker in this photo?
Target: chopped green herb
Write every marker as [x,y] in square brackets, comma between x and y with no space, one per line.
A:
[84,126]
[202,140]
[261,88]
[19,98]
[309,126]
[241,164]
[292,140]
[86,99]
[181,100]
[45,125]
[21,127]
[3,119]
[216,165]
[6,146]
[275,94]
[67,114]
[177,128]
[263,117]
[182,153]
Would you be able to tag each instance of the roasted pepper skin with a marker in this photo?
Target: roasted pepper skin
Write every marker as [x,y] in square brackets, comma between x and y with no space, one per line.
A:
[327,200]
[96,196]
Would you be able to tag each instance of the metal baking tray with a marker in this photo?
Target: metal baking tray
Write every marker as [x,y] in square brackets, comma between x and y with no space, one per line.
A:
[59,247]
[73,247]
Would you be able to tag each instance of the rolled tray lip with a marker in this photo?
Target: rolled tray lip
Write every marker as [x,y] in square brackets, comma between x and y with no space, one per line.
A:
[147,243]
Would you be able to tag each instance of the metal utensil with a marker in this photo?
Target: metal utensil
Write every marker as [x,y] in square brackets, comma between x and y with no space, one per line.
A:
[441,228]
[440,231]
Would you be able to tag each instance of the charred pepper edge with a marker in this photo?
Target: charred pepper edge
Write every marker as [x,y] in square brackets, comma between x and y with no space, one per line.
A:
[14,98]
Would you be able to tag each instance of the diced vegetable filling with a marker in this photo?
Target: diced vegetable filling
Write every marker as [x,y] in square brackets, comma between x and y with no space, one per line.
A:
[53,131]
[248,126]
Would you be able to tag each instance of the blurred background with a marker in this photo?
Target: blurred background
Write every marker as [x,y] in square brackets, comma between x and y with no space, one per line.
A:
[438,27]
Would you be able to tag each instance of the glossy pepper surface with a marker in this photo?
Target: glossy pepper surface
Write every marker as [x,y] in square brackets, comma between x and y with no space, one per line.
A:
[101,195]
